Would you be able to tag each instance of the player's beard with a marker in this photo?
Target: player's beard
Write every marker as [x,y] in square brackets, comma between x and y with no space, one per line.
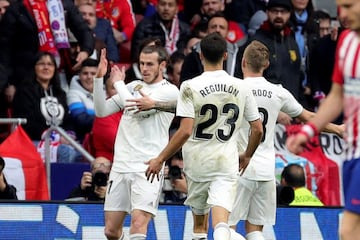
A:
[154,78]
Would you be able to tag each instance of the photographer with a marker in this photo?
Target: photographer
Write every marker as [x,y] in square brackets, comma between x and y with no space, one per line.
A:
[175,187]
[7,191]
[93,184]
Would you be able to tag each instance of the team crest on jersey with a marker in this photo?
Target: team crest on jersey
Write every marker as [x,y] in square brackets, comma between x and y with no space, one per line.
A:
[292,55]
[115,12]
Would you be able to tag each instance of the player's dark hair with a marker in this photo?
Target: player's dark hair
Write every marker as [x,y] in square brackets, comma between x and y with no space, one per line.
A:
[213,47]
[163,56]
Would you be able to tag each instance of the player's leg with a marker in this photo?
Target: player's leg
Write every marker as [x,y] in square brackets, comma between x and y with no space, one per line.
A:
[262,209]
[144,204]
[201,225]
[114,225]
[244,193]
[116,206]
[196,199]
[350,225]
[222,192]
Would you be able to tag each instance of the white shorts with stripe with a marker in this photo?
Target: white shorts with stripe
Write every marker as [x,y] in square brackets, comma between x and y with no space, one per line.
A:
[129,191]
[255,202]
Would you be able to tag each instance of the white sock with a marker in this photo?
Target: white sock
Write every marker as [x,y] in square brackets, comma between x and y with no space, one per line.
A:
[222,231]
[137,236]
[235,235]
[123,236]
[255,235]
[199,236]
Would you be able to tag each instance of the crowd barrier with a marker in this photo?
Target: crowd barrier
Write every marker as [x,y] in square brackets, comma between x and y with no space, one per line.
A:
[68,220]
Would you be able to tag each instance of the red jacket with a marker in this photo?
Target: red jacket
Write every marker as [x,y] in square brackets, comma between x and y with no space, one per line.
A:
[119,13]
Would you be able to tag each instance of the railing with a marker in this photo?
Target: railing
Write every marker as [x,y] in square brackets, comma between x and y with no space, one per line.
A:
[76,145]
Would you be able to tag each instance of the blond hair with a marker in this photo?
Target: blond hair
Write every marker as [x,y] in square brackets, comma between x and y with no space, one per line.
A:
[256,56]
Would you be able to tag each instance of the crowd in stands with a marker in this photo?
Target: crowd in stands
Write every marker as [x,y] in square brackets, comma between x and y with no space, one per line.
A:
[47,64]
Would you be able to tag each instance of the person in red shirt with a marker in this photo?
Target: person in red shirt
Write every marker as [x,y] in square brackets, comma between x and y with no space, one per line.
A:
[120,15]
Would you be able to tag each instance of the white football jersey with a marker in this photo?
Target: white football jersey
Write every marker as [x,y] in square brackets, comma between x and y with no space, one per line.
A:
[218,103]
[271,99]
[141,136]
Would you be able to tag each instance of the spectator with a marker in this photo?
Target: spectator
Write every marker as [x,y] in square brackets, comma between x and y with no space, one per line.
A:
[121,16]
[175,187]
[192,65]
[211,7]
[211,156]
[102,31]
[242,11]
[7,191]
[164,25]
[19,26]
[323,22]
[322,61]
[43,103]
[4,4]
[93,184]
[80,99]
[285,59]
[306,36]
[174,67]
[140,136]
[293,175]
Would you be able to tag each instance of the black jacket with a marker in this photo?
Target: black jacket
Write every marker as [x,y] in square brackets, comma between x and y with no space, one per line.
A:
[285,62]
[150,27]
[9,192]
[27,104]
[87,194]
[19,41]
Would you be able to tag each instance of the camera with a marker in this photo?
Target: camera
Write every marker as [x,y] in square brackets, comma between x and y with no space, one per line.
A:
[174,172]
[284,195]
[99,179]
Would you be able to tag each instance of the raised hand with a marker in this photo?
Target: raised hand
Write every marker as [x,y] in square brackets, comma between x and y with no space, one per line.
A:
[103,65]
[117,74]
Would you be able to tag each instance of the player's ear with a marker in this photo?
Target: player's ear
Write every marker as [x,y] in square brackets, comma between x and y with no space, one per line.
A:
[163,65]
[225,56]
[267,64]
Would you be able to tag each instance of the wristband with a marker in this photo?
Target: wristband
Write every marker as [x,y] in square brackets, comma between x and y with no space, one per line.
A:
[309,130]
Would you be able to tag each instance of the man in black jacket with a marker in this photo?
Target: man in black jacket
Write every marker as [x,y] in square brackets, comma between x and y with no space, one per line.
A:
[285,60]
[7,191]
[165,25]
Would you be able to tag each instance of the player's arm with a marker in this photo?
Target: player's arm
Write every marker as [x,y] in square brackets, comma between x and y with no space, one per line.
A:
[328,111]
[174,145]
[147,103]
[306,116]
[256,132]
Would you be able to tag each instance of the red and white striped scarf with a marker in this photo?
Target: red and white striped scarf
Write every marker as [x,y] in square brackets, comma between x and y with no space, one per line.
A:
[171,37]
[50,22]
